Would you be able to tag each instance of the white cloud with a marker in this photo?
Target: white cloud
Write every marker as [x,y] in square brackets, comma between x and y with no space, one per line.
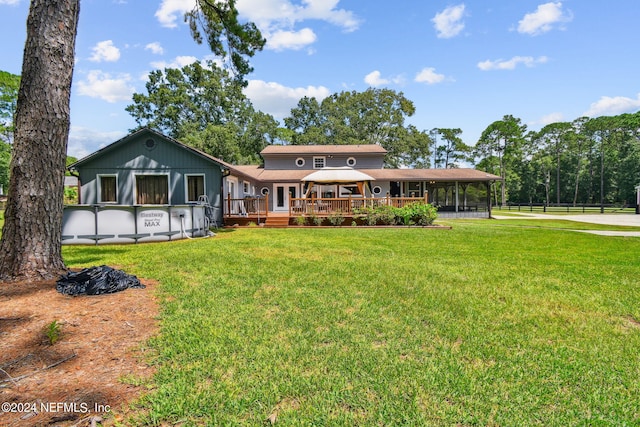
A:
[170,10]
[429,76]
[448,23]
[512,63]
[551,118]
[543,19]
[278,100]
[105,51]
[276,19]
[10,2]
[612,106]
[84,141]
[325,10]
[178,62]
[374,79]
[294,40]
[99,84]
[272,15]
[155,48]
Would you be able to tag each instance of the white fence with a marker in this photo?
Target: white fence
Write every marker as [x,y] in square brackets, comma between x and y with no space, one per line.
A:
[93,224]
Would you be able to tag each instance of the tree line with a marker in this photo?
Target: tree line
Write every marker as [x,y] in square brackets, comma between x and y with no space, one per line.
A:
[204,106]
[586,161]
[589,160]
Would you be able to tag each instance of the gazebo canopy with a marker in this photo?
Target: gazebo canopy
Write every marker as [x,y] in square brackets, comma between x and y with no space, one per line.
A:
[337,176]
[342,175]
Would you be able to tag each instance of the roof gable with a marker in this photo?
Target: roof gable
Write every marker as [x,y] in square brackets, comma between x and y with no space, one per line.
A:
[140,134]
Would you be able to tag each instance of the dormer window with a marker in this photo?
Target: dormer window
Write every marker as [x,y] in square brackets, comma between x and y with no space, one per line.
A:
[319,162]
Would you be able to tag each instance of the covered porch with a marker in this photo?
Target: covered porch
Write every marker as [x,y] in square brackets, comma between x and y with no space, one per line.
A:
[326,192]
[465,200]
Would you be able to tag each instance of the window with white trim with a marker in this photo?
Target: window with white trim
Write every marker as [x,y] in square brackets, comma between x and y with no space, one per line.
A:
[351,161]
[107,189]
[319,162]
[300,162]
[195,187]
[152,189]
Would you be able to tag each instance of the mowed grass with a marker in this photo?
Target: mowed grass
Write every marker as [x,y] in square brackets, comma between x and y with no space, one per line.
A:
[484,324]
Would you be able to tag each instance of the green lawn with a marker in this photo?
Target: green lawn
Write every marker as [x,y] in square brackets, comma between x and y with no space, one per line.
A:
[490,323]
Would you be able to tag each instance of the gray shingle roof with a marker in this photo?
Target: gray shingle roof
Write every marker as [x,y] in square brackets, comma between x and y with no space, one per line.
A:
[438,175]
[323,149]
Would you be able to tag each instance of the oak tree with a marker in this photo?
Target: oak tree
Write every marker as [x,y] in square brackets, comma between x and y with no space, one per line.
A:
[375,116]
[202,105]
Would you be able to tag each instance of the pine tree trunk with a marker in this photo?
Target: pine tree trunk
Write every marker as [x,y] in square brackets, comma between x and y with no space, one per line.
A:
[575,192]
[31,238]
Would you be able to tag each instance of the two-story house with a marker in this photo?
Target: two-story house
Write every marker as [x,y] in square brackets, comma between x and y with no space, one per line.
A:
[147,186]
[292,172]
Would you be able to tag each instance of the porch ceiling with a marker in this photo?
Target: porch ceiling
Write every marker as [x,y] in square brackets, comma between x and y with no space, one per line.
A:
[437,175]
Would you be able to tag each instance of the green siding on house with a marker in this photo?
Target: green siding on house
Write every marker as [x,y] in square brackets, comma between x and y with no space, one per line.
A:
[149,153]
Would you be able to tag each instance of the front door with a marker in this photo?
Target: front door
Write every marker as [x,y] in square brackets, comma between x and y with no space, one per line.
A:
[282,194]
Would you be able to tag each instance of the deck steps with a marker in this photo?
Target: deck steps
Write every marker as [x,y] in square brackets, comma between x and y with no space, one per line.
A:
[277,221]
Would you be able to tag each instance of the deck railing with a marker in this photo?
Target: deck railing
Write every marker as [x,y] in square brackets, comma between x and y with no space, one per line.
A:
[345,205]
[248,206]
[257,208]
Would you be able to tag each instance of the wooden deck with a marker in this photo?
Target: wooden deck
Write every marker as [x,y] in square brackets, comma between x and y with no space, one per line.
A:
[346,205]
[248,211]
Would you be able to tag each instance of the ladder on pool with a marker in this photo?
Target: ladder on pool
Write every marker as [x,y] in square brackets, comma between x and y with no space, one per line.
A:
[209,214]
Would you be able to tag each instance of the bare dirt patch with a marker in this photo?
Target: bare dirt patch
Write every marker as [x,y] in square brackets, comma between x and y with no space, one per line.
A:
[79,377]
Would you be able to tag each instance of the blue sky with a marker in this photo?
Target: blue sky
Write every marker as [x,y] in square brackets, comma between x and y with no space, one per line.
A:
[463,64]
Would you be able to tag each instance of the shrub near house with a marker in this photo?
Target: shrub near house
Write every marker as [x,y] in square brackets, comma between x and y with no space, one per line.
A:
[418,213]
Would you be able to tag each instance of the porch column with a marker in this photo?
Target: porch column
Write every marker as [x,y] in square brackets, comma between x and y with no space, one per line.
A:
[488,183]
[457,197]
[464,196]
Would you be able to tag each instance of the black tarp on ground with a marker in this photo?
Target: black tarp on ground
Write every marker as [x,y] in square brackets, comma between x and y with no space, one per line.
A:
[96,281]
